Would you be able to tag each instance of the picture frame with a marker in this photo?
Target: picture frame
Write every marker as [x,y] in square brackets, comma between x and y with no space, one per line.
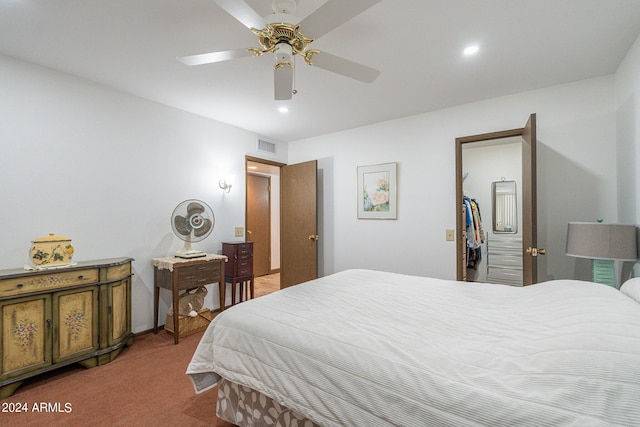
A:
[377,194]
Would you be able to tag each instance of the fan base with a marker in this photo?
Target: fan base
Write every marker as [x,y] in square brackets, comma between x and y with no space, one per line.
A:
[190,254]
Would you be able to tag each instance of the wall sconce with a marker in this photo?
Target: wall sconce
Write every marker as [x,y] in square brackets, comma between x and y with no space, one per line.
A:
[225,185]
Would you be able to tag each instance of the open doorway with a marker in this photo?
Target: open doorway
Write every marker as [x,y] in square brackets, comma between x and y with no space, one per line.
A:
[528,246]
[263,214]
[293,228]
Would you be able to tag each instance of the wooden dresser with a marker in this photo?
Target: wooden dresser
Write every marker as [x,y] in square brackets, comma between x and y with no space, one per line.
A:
[56,317]
[239,267]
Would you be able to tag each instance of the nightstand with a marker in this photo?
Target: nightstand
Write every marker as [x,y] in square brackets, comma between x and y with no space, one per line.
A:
[239,267]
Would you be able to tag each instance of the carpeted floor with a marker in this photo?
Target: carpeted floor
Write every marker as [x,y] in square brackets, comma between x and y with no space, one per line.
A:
[145,385]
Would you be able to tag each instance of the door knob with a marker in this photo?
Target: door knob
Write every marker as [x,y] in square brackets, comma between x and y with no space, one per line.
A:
[535,251]
[313,237]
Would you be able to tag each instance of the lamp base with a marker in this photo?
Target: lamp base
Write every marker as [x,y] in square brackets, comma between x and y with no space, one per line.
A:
[604,272]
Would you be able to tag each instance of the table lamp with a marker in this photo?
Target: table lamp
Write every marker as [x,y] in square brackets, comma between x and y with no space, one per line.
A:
[602,243]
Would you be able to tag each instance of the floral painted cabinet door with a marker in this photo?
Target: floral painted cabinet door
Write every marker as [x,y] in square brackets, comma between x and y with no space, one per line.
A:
[26,335]
[75,314]
[119,311]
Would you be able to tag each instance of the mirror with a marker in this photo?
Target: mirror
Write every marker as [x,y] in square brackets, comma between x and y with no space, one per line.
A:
[505,217]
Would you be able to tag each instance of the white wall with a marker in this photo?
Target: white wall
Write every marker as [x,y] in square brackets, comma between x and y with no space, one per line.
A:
[576,178]
[627,105]
[106,170]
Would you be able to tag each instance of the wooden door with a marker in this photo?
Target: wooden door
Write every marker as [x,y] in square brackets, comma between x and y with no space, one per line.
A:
[529,205]
[259,222]
[298,228]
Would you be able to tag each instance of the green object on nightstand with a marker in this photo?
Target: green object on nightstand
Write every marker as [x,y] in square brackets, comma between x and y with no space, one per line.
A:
[603,244]
[604,272]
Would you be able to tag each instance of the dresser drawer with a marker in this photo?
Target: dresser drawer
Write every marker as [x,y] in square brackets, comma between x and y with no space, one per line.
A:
[244,251]
[245,267]
[119,271]
[45,282]
[198,275]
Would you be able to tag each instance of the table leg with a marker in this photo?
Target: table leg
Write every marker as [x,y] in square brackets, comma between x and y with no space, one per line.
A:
[156,299]
[222,286]
[233,292]
[176,323]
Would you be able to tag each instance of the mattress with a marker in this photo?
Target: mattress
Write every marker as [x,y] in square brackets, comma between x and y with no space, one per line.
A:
[365,348]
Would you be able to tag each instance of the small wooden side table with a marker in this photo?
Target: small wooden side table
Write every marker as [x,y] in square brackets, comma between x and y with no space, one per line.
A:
[178,274]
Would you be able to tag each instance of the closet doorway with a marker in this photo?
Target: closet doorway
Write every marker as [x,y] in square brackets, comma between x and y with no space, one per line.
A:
[526,138]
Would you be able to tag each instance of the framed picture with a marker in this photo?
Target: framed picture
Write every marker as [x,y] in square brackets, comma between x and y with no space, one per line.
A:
[377,191]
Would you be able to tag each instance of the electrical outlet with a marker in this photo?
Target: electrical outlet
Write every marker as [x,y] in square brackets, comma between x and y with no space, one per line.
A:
[239,231]
[450,235]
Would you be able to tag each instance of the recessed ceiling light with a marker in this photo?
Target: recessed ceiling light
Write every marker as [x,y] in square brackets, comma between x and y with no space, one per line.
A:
[471,50]
[283,109]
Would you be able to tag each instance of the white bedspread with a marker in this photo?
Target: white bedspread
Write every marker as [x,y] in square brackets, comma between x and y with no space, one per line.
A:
[367,348]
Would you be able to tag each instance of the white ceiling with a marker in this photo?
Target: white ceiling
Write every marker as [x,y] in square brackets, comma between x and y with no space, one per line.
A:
[131,45]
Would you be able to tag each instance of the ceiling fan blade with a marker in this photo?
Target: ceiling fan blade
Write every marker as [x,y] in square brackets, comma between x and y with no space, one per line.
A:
[283,82]
[333,14]
[345,67]
[208,58]
[243,13]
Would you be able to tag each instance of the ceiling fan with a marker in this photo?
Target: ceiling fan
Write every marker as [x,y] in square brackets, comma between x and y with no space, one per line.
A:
[284,35]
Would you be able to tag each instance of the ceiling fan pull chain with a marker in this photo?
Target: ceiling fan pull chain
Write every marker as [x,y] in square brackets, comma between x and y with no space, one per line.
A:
[294,91]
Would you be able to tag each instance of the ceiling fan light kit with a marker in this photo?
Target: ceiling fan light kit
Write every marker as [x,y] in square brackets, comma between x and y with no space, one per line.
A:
[281,34]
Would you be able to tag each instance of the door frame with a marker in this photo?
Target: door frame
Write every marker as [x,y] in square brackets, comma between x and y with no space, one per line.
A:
[529,220]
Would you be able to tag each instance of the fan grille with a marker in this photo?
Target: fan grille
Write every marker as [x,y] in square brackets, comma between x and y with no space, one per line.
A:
[192,220]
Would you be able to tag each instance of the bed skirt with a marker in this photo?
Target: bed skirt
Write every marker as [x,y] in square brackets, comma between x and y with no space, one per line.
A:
[244,406]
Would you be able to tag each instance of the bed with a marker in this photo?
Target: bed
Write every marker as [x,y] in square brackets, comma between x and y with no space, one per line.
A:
[371,348]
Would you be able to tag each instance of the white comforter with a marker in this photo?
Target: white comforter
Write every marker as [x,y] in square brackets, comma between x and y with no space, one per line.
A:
[367,348]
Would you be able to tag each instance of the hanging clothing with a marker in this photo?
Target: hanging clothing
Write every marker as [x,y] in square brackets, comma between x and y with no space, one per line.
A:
[475,232]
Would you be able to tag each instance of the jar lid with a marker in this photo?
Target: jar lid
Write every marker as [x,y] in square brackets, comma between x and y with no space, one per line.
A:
[51,238]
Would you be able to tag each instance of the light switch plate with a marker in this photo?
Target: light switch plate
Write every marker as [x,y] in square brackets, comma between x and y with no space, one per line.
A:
[239,231]
[450,235]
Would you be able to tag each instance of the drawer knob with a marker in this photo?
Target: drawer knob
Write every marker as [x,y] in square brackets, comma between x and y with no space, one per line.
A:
[80,277]
[20,285]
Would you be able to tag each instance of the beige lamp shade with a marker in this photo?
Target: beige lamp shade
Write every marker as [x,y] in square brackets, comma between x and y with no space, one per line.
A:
[602,241]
